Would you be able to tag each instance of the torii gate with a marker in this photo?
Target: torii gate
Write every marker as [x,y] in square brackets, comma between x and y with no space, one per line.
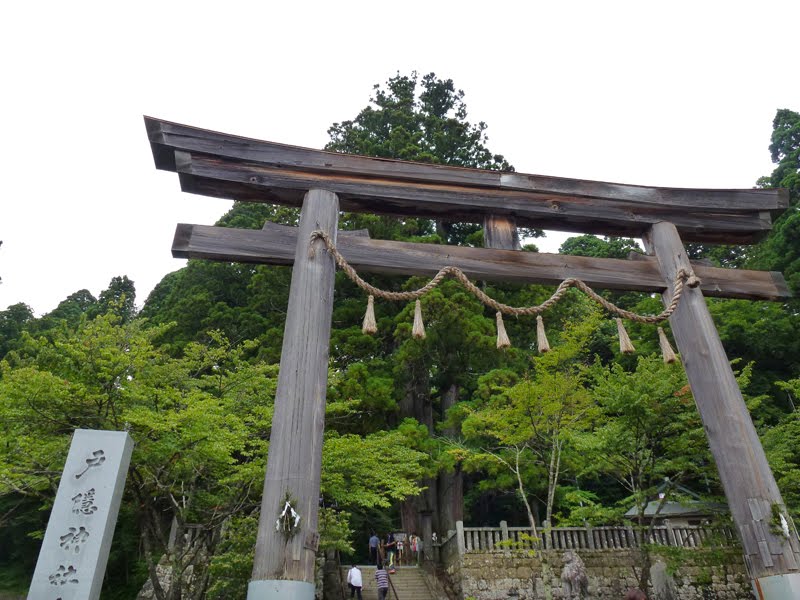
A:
[226,166]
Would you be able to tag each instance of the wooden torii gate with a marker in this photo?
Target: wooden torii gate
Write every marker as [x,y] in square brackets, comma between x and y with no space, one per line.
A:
[323,183]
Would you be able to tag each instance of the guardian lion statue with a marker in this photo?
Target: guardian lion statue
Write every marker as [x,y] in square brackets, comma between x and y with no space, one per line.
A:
[573,576]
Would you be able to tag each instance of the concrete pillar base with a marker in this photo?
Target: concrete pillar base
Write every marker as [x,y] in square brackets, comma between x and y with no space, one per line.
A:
[778,587]
[280,589]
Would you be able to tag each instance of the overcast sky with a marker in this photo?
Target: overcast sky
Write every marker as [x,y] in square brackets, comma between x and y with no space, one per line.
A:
[678,94]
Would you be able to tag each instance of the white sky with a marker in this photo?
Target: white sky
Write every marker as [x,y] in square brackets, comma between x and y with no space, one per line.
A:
[678,94]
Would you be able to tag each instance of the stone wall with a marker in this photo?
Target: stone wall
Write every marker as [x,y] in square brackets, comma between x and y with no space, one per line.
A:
[697,574]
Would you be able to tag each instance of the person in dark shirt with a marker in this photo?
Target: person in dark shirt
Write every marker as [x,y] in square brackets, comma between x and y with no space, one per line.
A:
[391,549]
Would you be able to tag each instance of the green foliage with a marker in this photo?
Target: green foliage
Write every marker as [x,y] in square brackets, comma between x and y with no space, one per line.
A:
[581,507]
[250,215]
[781,250]
[649,429]
[13,322]
[335,532]
[422,121]
[232,564]
[375,470]
[534,420]
[460,338]
[781,443]
[720,255]
[118,298]
[245,302]
[180,411]
[591,245]
[198,421]
[69,312]
[785,151]
[523,543]
[766,334]
[223,296]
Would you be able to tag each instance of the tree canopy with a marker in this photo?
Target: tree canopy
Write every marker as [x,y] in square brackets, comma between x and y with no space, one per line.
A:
[418,120]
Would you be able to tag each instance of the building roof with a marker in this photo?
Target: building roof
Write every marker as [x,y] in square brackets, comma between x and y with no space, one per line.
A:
[690,504]
[690,508]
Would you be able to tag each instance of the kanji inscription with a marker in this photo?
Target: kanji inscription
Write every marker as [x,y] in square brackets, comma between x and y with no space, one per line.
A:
[83,503]
[64,575]
[74,539]
[78,538]
[97,459]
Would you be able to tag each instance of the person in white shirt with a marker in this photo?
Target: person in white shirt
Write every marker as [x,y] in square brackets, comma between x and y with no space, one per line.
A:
[355,582]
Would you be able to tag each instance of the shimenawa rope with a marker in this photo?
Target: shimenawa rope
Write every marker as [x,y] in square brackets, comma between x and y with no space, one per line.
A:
[682,278]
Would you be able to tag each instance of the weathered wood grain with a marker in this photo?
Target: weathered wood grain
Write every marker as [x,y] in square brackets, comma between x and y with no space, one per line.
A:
[718,199]
[278,228]
[500,233]
[166,137]
[223,165]
[295,450]
[276,246]
[743,469]
[211,176]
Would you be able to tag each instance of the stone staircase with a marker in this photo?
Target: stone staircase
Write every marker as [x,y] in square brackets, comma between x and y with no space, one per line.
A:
[409,583]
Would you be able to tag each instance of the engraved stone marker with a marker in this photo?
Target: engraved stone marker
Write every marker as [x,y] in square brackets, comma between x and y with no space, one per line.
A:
[72,561]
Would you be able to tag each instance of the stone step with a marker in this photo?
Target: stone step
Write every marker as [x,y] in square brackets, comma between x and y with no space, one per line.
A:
[408,582]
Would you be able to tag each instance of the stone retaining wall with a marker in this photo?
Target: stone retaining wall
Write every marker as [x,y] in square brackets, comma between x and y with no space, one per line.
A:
[697,574]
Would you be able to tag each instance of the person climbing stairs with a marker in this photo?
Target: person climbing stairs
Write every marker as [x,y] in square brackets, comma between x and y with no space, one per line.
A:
[407,583]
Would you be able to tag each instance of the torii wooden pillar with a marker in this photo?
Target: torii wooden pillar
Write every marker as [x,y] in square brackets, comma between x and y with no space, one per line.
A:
[222,165]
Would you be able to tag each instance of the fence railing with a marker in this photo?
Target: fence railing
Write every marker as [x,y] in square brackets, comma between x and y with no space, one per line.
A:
[504,538]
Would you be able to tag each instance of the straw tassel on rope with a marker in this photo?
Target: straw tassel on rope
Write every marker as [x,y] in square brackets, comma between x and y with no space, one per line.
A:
[541,339]
[681,277]
[370,326]
[502,336]
[666,350]
[625,345]
[419,327]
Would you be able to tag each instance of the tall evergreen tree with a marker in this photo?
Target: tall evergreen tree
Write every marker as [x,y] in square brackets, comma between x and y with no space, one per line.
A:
[13,322]
[118,298]
[421,121]
[781,250]
[766,333]
[241,300]
[425,120]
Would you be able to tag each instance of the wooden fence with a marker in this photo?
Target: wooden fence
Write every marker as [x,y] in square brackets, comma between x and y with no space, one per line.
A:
[504,538]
